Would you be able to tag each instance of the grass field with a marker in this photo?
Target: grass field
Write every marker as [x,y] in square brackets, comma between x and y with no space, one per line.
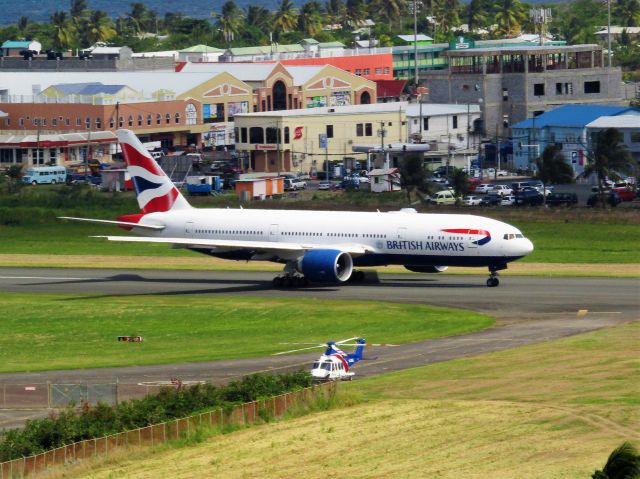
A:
[554,410]
[44,331]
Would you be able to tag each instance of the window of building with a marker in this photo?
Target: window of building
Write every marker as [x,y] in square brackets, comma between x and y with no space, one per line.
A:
[505,94]
[167,118]
[378,71]
[286,134]
[67,121]
[538,112]
[149,119]
[454,121]
[592,87]
[358,72]
[538,89]
[54,122]
[425,123]
[78,121]
[130,120]
[635,137]
[121,122]
[367,71]
[177,117]
[112,123]
[256,135]
[21,122]
[140,120]
[359,129]
[158,119]
[386,70]
[87,122]
[243,135]
[273,135]
[368,129]
[44,122]
[98,122]
[329,131]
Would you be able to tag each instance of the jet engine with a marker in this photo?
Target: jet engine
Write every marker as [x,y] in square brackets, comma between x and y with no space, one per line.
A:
[326,266]
[425,269]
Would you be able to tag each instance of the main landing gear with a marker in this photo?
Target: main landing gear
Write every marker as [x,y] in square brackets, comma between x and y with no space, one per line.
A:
[290,281]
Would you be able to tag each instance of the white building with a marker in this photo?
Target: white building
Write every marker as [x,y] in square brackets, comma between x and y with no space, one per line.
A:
[456,125]
[199,54]
[628,124]
[384,180]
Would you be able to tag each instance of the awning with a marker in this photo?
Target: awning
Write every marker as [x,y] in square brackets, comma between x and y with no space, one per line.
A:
[62,139]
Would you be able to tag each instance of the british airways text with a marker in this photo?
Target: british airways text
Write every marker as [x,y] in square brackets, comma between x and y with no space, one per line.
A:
[426,245]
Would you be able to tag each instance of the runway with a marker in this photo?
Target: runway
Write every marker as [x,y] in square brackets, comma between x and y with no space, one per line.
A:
[529,310]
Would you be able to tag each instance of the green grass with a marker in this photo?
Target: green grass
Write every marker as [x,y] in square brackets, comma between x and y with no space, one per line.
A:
[46,331]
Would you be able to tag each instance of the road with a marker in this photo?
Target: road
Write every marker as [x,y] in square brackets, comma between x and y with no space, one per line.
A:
[529,310]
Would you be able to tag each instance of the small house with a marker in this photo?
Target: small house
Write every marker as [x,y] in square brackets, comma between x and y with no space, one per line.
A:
[384,179]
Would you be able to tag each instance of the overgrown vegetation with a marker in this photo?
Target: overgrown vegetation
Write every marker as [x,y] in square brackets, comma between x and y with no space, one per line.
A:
[72,425]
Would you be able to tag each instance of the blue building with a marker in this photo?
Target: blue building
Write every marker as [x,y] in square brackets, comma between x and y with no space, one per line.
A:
[565,126]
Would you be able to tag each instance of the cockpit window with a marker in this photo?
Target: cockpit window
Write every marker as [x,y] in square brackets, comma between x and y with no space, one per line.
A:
[316,365]
[326,366]
[510,236]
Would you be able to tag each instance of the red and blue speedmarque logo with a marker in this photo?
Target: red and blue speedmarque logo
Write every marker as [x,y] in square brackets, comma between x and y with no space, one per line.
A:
[486,236]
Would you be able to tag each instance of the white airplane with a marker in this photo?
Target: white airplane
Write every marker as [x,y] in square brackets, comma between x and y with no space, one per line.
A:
[314,246]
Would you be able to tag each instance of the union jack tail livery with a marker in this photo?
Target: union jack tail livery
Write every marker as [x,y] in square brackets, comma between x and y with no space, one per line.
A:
[154,189]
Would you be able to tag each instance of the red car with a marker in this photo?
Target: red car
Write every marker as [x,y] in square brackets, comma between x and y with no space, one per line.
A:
[625,193]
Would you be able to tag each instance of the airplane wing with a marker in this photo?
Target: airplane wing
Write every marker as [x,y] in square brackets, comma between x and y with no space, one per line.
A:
[116,223]
[275,247]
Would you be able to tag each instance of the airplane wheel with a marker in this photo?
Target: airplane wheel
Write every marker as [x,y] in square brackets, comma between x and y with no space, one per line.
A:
[298,281]
[277,282]
[493,282]
[358,276]
[287,281]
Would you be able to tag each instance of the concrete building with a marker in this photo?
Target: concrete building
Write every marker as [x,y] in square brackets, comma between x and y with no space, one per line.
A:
[628,124]
[512,84]
[12,48]
[384,180]
[565,126]
[200,53]
[453,125]
[311,139]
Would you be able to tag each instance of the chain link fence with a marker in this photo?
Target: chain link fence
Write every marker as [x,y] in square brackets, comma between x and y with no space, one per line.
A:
[157,434]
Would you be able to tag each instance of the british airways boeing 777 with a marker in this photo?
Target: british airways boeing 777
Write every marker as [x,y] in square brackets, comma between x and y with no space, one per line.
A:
[314,246]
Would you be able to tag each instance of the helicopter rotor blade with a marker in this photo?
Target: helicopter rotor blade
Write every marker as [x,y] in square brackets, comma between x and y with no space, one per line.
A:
[346,340]
[301,349]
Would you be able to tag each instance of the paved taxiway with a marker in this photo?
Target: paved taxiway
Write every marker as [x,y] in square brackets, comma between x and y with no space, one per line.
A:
[529,310]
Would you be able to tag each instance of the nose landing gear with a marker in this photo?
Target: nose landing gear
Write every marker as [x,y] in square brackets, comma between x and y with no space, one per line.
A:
[493,280]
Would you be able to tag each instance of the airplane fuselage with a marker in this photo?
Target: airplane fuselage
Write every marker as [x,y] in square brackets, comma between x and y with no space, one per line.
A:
[400,237]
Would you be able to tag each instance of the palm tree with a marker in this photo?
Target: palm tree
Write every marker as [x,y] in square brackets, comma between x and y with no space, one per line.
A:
[78,9]
[230,20]
[258,16]
[509,15]
[335,10]
[97,27]
[412,174]
[286,16]
[623,463]
[355,13]
[392,9]
[608,157]
[141,18]
[553,166]
[460,182]
[23,23]
[475,15]
[62,30]
[446,14]
[310,18]
[627,12]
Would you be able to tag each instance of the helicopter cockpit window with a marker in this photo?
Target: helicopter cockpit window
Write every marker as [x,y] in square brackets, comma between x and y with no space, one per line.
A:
[316,365]
[326,366]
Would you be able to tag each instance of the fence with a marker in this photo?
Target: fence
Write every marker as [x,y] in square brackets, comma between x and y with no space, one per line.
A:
[157,434]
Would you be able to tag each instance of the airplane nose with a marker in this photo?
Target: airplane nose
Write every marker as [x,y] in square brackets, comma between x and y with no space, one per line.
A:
[527,247]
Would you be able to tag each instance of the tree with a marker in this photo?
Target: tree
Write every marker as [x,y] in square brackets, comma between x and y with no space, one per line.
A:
[626,12]
[14,178]
[62,31]
[97,27]
[623,463]
[553,166]
[446,14]
[355,13]
[391,9]
[460,182]
[335,11]
[509,15]
[608,157]
[475,15]
[141,18]
[78,9]
[310,18]
[230,20]
[412,174]
[286,16]
[258,16]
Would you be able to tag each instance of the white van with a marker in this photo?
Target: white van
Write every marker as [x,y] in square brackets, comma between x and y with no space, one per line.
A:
[39,175]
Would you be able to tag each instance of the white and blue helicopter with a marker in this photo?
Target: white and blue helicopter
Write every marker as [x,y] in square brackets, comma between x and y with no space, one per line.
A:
[334,363]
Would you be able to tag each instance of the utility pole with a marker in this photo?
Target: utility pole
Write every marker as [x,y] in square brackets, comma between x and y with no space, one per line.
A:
[609,31]
[415,40]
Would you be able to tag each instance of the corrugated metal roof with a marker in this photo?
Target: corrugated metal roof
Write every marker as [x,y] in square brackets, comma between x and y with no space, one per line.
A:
[571,115]
[331,45]
[16,44]
[618,121]
[419,38]
[201,49]
[94,88]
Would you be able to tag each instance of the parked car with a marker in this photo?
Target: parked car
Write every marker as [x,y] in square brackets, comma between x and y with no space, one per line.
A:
[518,185]
[611,197]
[325,185]
[444,197]
[625,193]
[294,184]
[529,197]
[556,199]
[484,188]
[471,200]
[491,200]
[507,200]
[501,190]
[491,172]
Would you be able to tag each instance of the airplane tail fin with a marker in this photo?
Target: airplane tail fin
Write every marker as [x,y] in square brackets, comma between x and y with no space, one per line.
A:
[154,189]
